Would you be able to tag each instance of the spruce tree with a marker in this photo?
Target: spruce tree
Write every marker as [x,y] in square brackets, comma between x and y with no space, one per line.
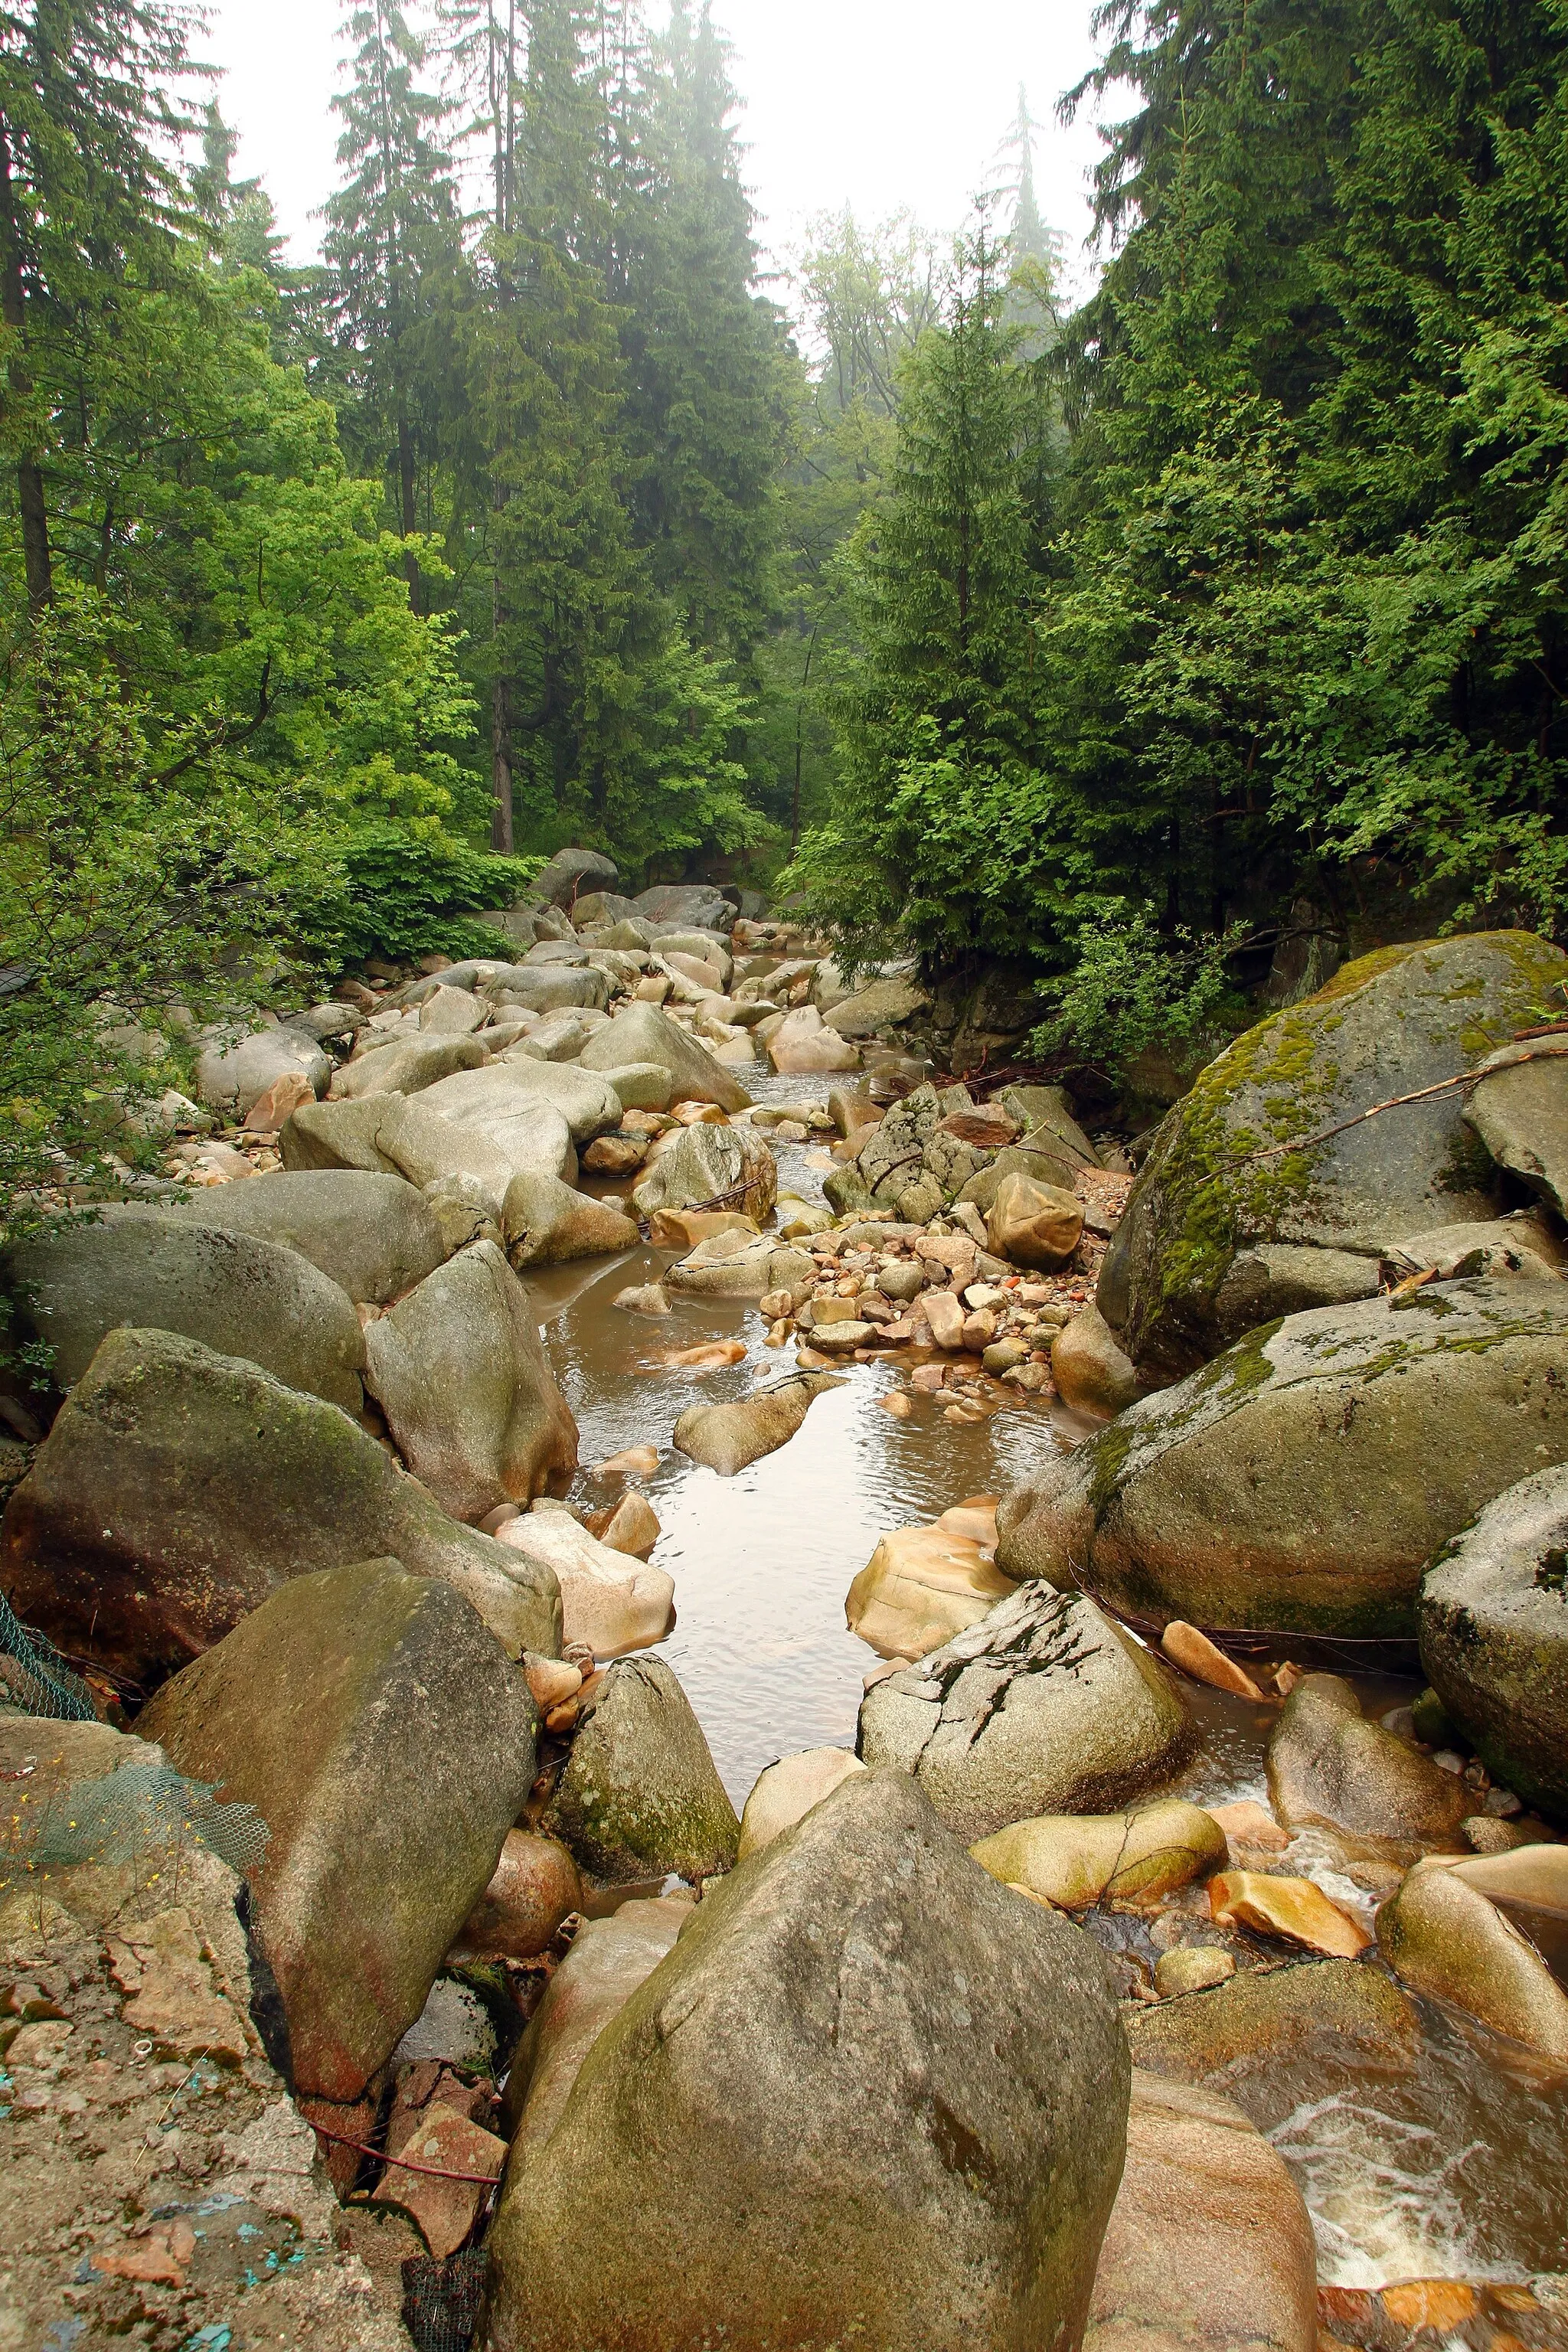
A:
[92,112]
[393,246]
[708,414]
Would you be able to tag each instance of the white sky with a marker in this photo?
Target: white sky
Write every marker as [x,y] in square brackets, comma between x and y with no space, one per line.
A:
[879,103]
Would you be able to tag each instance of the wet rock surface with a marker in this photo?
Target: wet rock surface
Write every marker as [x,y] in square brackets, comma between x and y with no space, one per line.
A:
[877,2183]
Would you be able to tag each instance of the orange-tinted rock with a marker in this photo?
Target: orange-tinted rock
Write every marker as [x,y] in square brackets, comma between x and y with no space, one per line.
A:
[1294,1908]
[536,1886]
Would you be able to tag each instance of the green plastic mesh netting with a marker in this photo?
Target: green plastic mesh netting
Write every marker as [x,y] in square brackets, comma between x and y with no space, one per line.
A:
[35,1678]
[118,1817]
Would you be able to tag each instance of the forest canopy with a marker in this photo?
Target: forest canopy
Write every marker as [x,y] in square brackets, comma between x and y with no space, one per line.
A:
[332,597]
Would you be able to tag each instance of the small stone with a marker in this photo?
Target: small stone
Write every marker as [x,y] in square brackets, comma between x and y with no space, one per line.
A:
[283,1098]
[1248,1824]
[895,1404]
[615,1155]
[551,1681]
[1294,1908]
[945,1317]
[637,1462]
[535,1885]
[634,1527]
[1199,1656]
[1192,1968]
[712,1355]
[444,2209]
[647,1298]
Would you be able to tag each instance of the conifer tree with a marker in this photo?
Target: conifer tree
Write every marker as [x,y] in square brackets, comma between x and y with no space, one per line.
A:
[91,115]
[708,414]
[394,248]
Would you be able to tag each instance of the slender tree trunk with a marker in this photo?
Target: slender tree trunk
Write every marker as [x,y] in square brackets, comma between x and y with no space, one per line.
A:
[500,771]
[408,487]
[29,473]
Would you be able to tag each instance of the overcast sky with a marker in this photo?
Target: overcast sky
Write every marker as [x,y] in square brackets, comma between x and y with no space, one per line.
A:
[877,103]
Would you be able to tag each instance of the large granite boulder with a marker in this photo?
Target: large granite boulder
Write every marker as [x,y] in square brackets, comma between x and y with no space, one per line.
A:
[1493,1615]
[1331,1767]
[459,1371]
[572,874]
[511,1094]
[387,1741]
[1519,1111]
[1045,1706]
[1447,1938]
[641,1795]
[891,1159]
[407,1067]
[179,1488]
[641,1032]
[883,1003]
[1239,1162]
[371,1233]
[1300,1482]
[695,906]
[1210,2246]
[149,1269]
[232,1074]
[732,1164]
[919,2083]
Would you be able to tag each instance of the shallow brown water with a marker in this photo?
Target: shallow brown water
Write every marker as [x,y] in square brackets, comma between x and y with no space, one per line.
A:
[1459,2170]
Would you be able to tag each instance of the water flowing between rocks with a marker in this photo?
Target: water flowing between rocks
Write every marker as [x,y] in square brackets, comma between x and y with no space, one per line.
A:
[1455,2170]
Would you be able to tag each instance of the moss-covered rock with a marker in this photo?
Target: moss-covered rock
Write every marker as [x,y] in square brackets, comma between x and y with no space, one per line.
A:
[1300,1482]
[1387,1024]
[1321,2010]
[179,1488]
[1494,1637]
[387,1741]
[869,2098]
[641,1795]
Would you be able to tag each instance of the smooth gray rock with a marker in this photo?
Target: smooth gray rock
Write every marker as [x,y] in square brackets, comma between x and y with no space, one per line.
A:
[640,1085]
[149,1269]
[1523,1243]
[920,2083]
[459,1371]
[880,1004]
[546,988]
[1521,1115]
[232,1075]
[726,1265]
[712,1163]
[695,906]
[178,1489]
[641,1032]
[407,1067]
[1044,1706]
[387,1741]
[573,874]
[375,1235]
[1301,1481]
[1330,1767]
[730,1437]
[641,1795]
[1493,1617]
[1274,1278]
[1216,1181]
[493,1100]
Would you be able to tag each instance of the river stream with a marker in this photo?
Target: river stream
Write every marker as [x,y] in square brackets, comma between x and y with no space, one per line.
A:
[1458,2170]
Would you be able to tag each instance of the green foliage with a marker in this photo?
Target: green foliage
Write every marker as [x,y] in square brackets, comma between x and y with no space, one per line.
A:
[406,896]
[1132,987]
[130,884]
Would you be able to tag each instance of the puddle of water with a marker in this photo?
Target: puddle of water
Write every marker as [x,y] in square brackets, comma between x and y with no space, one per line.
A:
[1457,2170]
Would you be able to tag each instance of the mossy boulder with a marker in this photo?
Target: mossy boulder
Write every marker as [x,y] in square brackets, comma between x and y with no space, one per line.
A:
[179,1488]
[1310,2012]
[1301,1481]
[641,1795]
[1238,1163]
[869,2098]
[151,1270]
[1331,1767]
[388,1743]
[374,1235]
[1494,1637]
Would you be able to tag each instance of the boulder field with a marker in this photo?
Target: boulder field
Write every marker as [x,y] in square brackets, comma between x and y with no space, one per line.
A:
[483,2006]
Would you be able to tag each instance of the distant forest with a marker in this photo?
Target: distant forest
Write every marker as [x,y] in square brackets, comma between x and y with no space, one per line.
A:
[1097,642]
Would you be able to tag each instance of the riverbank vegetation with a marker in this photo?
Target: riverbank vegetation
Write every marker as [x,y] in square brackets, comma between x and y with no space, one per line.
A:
[1097,641]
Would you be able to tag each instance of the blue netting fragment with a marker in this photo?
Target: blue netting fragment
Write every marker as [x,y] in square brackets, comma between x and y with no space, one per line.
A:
[118,1818]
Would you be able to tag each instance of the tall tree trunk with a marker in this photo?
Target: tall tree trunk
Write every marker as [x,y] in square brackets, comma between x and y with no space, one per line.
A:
[29,473]
[500,771]
[407,486]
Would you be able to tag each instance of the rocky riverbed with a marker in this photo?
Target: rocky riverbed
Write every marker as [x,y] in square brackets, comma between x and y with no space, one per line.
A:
[831,1719]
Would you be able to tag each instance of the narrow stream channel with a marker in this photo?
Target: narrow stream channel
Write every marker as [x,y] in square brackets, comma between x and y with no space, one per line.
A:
[1458,2170]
